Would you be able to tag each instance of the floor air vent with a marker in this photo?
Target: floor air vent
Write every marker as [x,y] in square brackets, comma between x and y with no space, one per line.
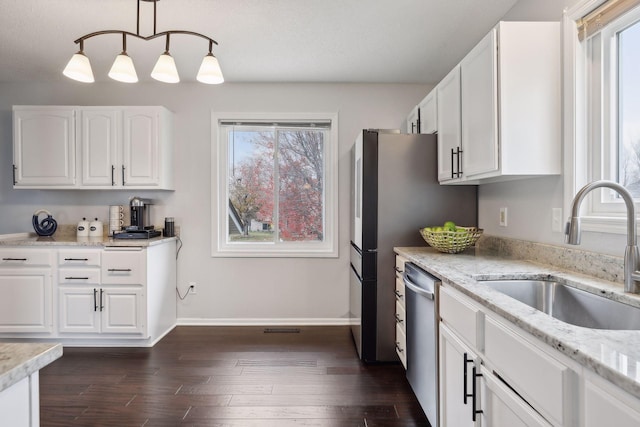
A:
[282,330]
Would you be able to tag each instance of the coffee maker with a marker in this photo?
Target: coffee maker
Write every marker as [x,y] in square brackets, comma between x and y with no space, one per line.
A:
[140,214]
[141,226]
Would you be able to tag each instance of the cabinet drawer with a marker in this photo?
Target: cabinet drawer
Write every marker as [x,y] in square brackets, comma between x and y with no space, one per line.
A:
[79,258]
[540,379]
[400,316]
[20,257]
[400,290]
[606,405]
[501,406]
[461,316]
[400,260]
[123,267]
[79,276]
[401,345]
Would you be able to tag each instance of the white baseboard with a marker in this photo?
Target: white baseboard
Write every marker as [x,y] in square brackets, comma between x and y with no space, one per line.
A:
[265,322]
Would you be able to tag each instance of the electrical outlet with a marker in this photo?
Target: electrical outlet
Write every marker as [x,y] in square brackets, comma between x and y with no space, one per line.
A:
[192,288]
[556,220]
[503,217]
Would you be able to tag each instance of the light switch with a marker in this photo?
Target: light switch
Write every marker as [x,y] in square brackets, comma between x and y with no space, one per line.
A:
[503,217]
[556,220]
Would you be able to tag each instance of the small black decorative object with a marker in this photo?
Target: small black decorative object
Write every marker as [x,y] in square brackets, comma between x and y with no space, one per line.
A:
[47,226]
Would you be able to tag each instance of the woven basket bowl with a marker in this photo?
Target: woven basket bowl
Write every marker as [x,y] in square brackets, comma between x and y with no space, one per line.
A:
[451,242]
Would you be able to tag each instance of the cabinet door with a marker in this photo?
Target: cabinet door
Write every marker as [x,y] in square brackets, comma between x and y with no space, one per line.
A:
[448,119]
[606,405]
[502,407]
[456,409]
[141,147]
[428,113]
[25,301]
[123,310]
[79,309]
[44,147]
[412,121]
[478,82]
[100,136]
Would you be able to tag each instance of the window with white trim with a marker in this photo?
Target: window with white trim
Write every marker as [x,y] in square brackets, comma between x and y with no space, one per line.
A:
[607,133]
[276,192]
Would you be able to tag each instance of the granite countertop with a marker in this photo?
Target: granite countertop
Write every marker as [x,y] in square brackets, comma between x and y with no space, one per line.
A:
[612,354]
[19,360]
[65,239]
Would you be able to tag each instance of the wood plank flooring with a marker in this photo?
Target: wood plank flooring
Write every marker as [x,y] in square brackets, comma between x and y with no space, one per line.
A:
[228,376]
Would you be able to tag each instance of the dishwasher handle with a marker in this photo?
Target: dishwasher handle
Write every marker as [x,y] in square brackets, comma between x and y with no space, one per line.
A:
[417,289]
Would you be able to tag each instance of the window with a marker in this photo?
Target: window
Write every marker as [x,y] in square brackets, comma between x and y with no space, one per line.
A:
[276,191]
[607,109]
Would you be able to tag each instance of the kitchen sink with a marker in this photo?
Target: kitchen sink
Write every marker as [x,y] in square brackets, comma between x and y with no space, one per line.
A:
[569,304]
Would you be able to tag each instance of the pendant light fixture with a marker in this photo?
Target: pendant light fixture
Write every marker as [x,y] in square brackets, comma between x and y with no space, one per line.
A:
[165,69]
[123,69]
[79,67]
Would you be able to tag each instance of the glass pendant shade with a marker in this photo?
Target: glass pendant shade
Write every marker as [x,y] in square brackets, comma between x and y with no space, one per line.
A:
[210,72]
[165,69]
[123,70]
[79,68]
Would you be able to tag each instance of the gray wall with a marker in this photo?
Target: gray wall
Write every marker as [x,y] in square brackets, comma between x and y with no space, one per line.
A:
[229,290]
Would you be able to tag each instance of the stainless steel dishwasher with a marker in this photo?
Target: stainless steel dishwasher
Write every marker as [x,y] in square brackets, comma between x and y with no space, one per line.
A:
[422,338]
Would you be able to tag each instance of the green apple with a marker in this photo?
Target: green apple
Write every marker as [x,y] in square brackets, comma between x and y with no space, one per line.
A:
[450,226]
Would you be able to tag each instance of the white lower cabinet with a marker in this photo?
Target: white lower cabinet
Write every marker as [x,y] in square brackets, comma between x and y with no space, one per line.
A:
[518,379]
[19,404]
[401,327]
[607,405]
[491,376]
[78,308]
[459,397]
[123,310]
[106,299]
[26,299]
[106,295]
[503,407]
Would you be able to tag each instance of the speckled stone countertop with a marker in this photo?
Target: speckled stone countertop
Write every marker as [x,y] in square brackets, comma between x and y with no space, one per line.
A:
[65,239]
[19,360]
[613,354]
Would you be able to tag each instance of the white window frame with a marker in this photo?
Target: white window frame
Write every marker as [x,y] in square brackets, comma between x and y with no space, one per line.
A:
[219,194]
[603,211]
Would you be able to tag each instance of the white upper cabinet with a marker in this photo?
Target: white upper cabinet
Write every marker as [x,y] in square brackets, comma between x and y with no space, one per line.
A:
[479,120]
[44,150]
[413,121]
[109,148]
[428,113]
[99,133]
[449,130]
[146,149]
[510,106]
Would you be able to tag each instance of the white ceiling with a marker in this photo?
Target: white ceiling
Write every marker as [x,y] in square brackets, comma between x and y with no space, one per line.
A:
[373,41]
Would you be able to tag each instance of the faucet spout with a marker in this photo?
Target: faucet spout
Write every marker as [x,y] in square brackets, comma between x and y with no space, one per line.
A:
[631,254]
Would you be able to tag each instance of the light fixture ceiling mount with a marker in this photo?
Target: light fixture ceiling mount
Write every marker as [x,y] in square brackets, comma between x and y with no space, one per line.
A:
[123,70]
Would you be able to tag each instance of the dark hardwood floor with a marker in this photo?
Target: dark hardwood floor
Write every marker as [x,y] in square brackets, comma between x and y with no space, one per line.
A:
[228,376]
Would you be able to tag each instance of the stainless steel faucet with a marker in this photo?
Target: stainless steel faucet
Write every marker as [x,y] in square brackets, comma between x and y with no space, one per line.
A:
[631,254]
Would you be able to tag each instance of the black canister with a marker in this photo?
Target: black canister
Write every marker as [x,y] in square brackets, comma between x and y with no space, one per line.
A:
[169,230]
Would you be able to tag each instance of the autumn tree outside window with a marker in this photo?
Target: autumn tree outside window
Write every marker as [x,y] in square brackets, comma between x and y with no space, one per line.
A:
[276,187]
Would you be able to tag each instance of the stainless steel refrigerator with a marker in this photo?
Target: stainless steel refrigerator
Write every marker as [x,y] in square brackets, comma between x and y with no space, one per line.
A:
[394,193]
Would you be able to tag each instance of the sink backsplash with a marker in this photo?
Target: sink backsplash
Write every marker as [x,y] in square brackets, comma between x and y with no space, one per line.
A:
[606,267]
